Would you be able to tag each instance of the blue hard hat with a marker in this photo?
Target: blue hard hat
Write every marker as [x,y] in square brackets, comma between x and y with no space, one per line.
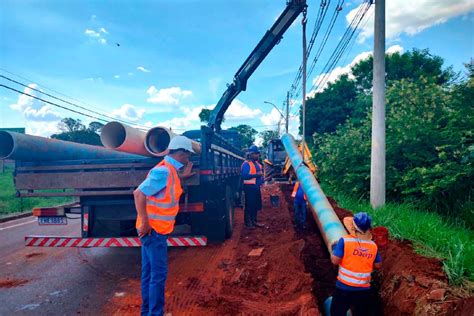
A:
[253,149]
[362,221]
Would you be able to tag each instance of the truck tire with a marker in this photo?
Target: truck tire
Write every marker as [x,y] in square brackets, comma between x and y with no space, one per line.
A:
[229,212]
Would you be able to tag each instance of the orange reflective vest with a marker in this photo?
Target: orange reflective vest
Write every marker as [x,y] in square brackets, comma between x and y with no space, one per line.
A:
[357,264]
[162,209]
[253,171]
[295,190]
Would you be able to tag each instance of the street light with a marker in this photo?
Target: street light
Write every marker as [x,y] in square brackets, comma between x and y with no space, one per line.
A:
[282,115]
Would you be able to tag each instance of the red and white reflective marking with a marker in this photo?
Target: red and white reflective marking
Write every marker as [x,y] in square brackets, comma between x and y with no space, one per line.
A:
[43,241]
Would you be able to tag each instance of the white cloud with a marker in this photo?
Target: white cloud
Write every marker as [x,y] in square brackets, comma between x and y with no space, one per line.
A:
[117,76]
[272,118]
[91,33]
[412,17]
[143,69]
[33,109]
[97,35]
[240,111]
[322,81]
[128,112]
[45,129]
[190,120]
[168,96]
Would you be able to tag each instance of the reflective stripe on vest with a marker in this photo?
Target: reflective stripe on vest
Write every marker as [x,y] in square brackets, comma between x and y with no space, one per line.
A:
[162,210]
[253,171]
[357,263]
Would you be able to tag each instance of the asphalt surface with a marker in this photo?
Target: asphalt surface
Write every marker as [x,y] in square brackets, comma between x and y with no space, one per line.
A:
[59,281]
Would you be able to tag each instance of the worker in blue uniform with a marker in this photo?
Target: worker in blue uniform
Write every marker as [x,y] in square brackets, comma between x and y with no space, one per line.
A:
[252,177]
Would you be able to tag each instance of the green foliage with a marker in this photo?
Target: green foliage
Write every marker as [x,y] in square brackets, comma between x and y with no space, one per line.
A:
[9,203]
[247,134]
[267,136]
[429,138]
[432,234]
[205,115]
[74,131]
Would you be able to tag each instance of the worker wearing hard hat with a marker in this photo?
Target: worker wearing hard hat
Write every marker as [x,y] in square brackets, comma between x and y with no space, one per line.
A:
[357,256]
[157,204]
[251,173]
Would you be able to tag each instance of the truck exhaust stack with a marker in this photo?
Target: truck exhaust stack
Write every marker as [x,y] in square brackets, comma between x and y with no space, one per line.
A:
[121,137]
[23,147]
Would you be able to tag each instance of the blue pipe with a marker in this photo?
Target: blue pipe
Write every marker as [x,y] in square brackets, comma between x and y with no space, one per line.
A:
[329,224]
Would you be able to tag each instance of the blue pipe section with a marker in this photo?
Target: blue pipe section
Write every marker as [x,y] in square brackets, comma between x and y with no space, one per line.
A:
[329,224]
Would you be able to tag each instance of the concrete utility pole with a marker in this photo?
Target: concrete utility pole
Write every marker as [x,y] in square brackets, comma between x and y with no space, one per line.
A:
[377,166]
[287,111]
[303,21]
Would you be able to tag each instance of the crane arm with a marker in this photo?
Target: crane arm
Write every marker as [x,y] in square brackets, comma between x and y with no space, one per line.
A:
[271,38]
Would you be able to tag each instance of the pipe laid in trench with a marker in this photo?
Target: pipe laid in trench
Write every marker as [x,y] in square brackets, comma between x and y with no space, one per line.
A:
[158,138]
[329,224]
[23,147]
[121,137]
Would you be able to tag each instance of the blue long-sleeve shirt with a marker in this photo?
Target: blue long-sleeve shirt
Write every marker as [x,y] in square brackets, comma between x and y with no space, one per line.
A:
[156,181]
[245,173]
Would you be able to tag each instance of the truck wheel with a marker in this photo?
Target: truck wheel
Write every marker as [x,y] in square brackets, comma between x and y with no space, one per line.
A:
[229,212]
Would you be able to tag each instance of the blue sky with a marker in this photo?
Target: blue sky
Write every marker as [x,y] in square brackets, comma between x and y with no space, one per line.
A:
[175,57]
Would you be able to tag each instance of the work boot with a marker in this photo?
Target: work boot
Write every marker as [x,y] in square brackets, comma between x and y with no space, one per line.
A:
[249,225]
[259,225]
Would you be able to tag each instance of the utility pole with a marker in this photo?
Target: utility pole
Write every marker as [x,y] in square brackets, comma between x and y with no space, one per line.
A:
[303,21]
[287,111]
[377,164]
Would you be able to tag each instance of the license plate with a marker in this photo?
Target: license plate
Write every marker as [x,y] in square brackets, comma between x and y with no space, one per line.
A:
[52,220]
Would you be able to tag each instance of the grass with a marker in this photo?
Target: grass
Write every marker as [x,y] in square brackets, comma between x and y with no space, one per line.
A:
[9,203]
[432,235]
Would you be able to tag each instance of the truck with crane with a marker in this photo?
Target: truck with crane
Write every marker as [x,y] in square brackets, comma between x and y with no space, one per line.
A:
[104,187]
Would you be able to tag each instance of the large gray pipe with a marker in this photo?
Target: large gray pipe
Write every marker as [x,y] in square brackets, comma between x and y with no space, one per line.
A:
[158,138]
[17,146]
[121,137]
[329,224]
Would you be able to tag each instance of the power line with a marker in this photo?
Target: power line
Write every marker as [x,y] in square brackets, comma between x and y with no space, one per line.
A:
[55,104]
[342,45]
[65,101]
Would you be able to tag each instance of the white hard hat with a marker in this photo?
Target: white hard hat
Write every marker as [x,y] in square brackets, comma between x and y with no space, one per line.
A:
[181,142]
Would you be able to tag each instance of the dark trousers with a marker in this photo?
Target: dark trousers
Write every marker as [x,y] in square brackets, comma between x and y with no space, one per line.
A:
[363,302]
[252,194]
[300,213]
[259,200]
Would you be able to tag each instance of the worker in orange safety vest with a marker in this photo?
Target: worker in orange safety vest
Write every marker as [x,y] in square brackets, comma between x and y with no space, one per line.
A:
[357,256]
[252,177]
[299,206]
[157,204]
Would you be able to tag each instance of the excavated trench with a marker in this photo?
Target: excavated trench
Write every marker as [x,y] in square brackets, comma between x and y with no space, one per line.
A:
[407,284]
[278,271]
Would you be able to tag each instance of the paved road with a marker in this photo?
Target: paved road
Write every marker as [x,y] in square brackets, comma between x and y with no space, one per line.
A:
[58,281]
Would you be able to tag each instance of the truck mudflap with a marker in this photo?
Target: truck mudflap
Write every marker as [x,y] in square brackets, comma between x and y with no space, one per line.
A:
[78,242]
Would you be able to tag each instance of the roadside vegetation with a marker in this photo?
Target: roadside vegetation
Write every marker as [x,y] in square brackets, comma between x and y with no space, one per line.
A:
[432,234]
[429,152]
[10,204]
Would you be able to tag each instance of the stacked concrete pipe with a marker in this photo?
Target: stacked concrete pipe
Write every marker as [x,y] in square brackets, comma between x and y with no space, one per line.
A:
[329,224]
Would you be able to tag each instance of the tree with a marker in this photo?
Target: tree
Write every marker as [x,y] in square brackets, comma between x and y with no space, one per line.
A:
[205,115]
[247,134]
[74,131]
[267,136]
[350,97]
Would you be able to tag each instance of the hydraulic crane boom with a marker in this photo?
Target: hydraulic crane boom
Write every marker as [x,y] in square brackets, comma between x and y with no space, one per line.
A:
[272,37]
